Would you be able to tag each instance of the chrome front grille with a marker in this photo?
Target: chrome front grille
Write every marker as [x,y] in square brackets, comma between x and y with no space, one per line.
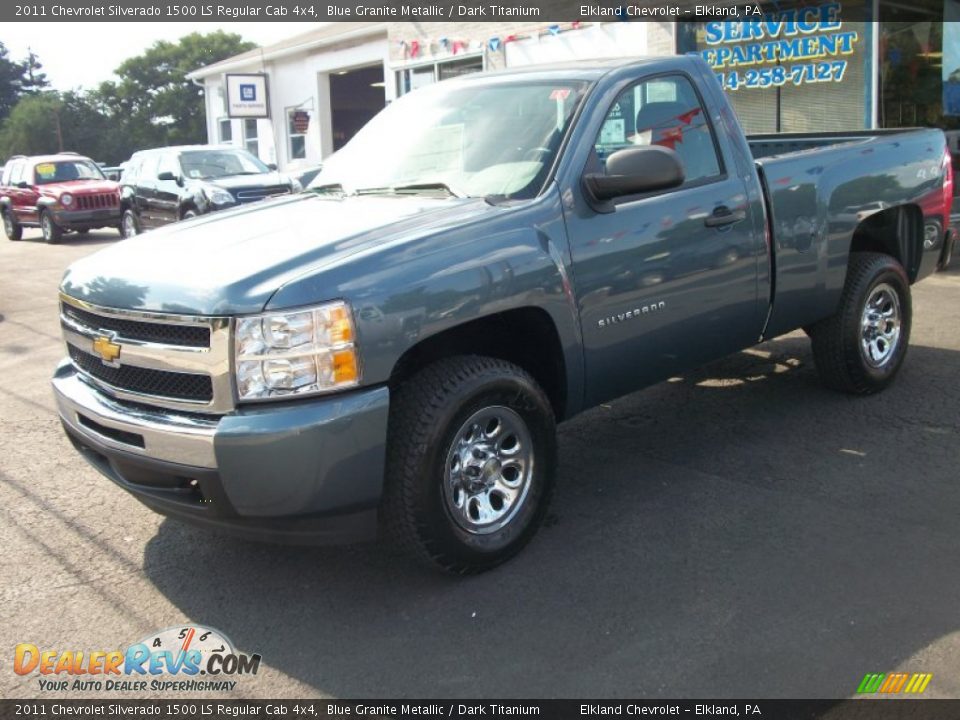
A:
[180,362]
[253,194]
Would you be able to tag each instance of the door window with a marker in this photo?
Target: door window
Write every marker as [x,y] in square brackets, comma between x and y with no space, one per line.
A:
[148,169]
[662,111]
[16,174]
[12,174]
[169,163]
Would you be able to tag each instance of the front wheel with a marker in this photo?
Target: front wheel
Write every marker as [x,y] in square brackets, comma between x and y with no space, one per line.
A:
[12,229]
[129,225]
[861,348]
[470,462]
[51,231]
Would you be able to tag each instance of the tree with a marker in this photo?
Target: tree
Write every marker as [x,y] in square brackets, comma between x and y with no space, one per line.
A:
[154,98]
[10,76]
[32,126]
[50,122]
[34,80]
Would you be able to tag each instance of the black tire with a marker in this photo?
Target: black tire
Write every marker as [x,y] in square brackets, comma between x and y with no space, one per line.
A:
[129,224]
[52,233]
[83,231]
[429,413]
[947,256]
[12,229]
[842,360]
[189,214]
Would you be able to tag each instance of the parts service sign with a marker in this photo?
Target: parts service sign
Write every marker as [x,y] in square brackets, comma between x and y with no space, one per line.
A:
[247,96]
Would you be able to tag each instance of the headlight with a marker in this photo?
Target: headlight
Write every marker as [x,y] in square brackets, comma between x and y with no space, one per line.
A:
[66,199]
[296,353]
[219,197]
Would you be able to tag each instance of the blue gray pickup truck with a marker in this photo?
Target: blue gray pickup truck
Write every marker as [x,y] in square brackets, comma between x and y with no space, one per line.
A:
[391,349]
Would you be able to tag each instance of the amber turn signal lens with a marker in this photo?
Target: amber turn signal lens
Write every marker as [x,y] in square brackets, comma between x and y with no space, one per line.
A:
[345,366]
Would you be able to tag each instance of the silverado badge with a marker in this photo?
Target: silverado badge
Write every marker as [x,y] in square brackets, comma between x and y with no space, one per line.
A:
[108,350]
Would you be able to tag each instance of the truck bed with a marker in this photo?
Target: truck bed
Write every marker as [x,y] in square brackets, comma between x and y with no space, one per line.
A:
[820,188]
[772,144]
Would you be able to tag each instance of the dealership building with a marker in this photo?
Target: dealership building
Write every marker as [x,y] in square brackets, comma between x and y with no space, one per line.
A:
[828,67]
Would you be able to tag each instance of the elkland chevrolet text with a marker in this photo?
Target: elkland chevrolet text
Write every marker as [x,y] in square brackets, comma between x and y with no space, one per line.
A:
[490,255]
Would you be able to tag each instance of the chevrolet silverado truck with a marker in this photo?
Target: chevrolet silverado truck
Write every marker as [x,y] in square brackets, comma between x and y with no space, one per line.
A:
[391,349]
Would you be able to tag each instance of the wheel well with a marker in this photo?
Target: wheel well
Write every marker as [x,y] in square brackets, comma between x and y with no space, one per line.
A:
[526,337]
[896,231]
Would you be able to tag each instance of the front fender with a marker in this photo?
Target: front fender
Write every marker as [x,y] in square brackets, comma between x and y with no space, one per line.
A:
[412,291]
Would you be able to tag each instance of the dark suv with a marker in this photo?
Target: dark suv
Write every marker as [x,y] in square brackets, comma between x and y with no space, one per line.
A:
[174,183]
[57,193]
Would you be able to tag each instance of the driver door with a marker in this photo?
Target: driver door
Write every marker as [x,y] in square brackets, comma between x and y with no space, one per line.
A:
[666,280]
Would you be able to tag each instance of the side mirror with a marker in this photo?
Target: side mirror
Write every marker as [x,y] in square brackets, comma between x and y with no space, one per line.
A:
[22,184]
[272,166]
[632,171]
[115,177]
[167,175]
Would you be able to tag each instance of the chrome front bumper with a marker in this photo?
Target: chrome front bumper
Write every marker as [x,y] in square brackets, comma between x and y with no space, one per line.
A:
[308,471]
[167,436]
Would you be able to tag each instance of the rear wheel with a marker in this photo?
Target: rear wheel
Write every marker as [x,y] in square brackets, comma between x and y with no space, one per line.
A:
[12,229]
[861,348]
[471,455]
[51,231]
[189,214]
[129,225]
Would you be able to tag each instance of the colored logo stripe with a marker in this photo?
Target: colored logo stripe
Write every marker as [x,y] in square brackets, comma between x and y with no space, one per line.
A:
[894,683]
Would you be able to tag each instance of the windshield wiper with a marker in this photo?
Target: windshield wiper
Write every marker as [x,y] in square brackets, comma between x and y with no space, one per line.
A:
[332,188]
[428,187]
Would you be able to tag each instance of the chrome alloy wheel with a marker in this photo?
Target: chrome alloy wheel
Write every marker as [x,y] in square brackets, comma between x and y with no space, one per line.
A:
[46,226]
[880,325]
[8,224]
[488,470]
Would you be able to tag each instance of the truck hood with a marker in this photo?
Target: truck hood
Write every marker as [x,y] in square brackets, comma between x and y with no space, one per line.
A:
[232,262]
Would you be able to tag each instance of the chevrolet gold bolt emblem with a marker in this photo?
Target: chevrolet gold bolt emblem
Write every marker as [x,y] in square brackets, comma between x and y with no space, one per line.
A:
[108,350]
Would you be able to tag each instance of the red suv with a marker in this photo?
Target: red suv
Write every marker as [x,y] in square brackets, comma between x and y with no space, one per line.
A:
[57,193]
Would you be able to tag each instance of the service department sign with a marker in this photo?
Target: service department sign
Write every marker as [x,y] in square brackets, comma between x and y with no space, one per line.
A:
[247,96]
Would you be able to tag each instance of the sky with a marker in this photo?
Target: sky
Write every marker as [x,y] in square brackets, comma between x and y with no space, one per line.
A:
[83,54]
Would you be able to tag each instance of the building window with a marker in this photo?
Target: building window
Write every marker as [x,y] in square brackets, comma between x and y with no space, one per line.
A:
[919,67]
[456,68]
[782,82]
[250,141]
[297,140]
[226,130]
[421,75]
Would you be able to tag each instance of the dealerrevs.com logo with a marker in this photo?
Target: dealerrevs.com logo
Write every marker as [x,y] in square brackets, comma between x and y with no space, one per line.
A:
[179,659]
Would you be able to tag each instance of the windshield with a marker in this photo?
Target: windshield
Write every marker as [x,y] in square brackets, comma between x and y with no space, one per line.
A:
[65,171]
[206,164]
[470,138]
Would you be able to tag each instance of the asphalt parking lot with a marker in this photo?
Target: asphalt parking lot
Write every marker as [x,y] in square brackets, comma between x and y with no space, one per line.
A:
[738,532]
